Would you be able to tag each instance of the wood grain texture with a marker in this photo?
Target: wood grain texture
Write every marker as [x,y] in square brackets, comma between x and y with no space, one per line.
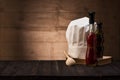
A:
[33,51]
[32,6]
[15,35]
[40,23]
[56,68]
[40,20]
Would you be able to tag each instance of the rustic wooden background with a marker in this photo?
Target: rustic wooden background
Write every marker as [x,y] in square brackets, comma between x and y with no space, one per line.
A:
[35,29]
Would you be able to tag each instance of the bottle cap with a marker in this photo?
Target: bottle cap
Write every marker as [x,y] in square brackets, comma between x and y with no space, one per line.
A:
[91,17]
[99,25]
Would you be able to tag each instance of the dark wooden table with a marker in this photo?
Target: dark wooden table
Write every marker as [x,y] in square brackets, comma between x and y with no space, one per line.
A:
[46,69]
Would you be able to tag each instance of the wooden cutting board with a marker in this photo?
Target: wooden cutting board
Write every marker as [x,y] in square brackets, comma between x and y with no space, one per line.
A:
[103,61]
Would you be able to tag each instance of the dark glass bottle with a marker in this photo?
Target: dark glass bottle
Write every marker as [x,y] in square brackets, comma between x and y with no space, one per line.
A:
[99,41]
[90,53]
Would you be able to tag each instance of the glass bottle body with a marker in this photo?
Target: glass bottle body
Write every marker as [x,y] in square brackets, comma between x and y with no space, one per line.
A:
[99,42]
[90,53]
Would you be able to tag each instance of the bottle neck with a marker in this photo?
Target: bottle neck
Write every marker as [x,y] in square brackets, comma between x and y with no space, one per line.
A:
[99,26]
[91,28]
[99,30]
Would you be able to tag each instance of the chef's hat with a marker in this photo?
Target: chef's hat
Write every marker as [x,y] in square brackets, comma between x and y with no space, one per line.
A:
[76,34]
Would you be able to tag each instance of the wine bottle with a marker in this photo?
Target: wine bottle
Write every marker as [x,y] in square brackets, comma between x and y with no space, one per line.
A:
[99,41]
[90,52]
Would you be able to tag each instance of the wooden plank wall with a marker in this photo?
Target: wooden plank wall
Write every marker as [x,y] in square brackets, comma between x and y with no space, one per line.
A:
[35,29]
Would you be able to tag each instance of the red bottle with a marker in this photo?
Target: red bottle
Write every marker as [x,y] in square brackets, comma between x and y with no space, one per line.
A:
[90,53]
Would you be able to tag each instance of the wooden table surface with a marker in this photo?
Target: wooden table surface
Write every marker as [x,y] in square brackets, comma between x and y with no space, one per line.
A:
[57,68]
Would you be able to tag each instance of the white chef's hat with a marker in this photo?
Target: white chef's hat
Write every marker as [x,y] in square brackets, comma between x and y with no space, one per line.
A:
[76,34]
